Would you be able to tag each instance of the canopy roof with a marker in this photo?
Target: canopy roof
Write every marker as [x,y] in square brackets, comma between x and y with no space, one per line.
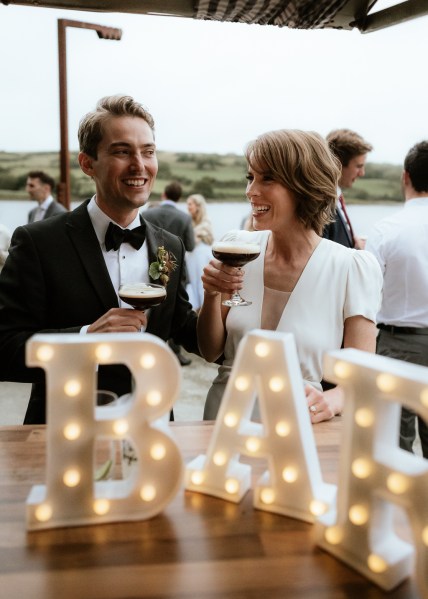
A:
[299,14]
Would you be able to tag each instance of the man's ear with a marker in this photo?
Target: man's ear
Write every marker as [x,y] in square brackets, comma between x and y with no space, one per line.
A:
[86,163]
[405,178]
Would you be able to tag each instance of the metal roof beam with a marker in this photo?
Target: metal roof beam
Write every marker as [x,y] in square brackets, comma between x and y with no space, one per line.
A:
[394,15]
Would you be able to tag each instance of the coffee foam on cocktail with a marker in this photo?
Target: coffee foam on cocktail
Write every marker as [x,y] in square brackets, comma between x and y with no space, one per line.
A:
[141,289]
[236,248]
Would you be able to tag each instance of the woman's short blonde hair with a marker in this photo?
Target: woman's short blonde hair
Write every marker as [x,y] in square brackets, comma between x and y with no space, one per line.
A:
[304,164]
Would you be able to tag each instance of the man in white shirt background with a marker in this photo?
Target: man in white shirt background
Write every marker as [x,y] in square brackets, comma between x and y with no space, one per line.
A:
[40,187]
[400,244]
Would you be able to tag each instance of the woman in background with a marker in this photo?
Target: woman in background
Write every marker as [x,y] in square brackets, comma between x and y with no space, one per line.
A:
[201,255]
[327,295]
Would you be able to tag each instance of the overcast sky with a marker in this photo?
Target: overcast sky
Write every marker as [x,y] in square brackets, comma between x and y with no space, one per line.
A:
[212,87]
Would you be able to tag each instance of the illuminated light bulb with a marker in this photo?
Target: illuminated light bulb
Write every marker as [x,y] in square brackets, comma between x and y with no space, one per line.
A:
[219,458]
[262,349]
[386,382]
[282,428]
[120,427]
[317,508]
[43,512]
[290,474]
[158,451]
[72,388]
[424,397]
[276,384]
[72,431]
[333,535]
[148,492]
[242,383]
[231,420]
[101,506]
[71,477]
[361,468]
[425,536]
[45,353]
[358,515]
[252,444]
[154,397]
[147,361]
[197,477]
[397,483]
[231,486]
[342,370]
[267,496]
[376,563]
[103,352]
[364,417]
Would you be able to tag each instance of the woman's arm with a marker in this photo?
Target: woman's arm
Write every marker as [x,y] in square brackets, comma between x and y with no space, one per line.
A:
[359,333]
[218,280]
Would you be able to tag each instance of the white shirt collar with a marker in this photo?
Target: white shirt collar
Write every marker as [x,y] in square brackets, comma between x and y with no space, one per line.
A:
[46,203]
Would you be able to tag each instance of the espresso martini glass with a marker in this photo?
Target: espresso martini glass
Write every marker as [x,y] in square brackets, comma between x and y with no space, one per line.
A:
[142,296]
[238,254]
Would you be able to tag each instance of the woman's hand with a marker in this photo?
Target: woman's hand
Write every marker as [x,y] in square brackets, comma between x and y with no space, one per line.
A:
[323,406]
[220,278]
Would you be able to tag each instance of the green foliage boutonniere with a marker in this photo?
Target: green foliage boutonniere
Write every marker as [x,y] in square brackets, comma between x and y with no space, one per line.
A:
[165,264]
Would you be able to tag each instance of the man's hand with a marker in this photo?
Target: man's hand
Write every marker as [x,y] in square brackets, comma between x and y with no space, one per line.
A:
[119,320]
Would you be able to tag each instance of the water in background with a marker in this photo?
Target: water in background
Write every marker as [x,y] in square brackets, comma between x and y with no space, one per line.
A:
[224,215]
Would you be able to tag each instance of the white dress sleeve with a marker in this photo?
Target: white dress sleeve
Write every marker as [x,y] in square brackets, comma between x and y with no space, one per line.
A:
[364,286]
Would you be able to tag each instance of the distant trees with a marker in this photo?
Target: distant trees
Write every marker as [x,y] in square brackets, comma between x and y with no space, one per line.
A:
[217,177]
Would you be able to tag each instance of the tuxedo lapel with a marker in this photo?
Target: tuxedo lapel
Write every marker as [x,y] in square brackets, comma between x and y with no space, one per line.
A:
[154,240]
[82,235]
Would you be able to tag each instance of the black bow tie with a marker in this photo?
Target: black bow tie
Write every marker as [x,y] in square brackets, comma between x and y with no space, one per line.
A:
[115,236]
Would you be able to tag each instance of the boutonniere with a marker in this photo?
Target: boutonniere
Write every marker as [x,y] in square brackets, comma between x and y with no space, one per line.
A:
[165,264]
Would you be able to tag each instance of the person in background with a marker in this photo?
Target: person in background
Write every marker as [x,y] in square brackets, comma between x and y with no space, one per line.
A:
[62,275]
[321,291]
[172,219]
[351,150]
[399,242]
[5,237]
[201,255]
[40,187]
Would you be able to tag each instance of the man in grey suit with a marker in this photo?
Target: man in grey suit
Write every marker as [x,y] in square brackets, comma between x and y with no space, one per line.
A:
[174,220]
[62,274]
[40,187]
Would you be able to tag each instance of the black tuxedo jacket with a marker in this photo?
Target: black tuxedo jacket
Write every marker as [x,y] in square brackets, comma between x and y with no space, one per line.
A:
[338,231]
[55,281]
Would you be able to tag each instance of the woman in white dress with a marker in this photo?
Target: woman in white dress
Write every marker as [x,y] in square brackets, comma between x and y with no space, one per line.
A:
[201,255]
[325,294]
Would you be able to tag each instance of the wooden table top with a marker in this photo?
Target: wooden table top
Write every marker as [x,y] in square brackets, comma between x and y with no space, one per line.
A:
[200,547]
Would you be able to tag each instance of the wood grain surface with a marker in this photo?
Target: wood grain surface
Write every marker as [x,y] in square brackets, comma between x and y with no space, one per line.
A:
[200,547]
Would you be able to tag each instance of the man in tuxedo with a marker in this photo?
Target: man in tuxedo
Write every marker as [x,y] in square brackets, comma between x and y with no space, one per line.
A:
[62,275]
[40,187]
[351,150]
[170,218]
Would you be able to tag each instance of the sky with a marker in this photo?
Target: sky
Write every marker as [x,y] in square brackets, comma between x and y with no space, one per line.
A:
[212,87]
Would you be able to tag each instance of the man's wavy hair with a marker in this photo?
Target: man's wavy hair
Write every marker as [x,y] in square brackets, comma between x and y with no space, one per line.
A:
[346,144]
[302,162]
[91,131]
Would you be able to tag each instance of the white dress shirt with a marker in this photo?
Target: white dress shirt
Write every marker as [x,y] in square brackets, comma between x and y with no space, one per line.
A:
[125,265]
[41,209]
[399,242]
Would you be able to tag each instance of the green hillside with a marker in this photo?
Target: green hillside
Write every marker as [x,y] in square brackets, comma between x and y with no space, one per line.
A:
[217,177]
